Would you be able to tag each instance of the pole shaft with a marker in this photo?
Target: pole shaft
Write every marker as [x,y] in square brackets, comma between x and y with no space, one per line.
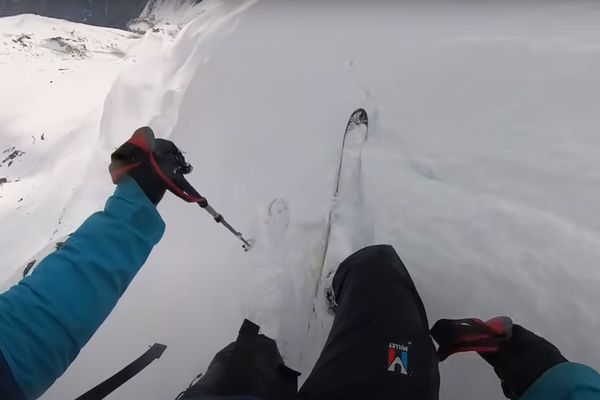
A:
[219,218]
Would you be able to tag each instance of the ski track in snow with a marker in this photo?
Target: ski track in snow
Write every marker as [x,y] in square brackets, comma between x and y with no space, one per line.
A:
[481,169]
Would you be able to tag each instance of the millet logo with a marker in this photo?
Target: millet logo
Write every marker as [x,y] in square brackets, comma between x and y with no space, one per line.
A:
[398,358]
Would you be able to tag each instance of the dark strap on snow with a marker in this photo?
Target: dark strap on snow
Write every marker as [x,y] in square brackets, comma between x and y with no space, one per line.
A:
[118,379]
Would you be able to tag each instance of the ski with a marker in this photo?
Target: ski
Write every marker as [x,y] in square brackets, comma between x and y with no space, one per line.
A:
[346,188]
[355,136]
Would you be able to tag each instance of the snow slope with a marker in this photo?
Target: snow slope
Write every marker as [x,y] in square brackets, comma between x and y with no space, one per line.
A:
[480,168]
[54,76]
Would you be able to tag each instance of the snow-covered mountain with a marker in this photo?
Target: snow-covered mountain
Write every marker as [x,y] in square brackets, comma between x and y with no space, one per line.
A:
[481,167]
[110,13]
[166,12]
[141,14]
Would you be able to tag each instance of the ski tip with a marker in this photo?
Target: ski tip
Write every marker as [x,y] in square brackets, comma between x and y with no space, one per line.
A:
[361,113]
[359,117]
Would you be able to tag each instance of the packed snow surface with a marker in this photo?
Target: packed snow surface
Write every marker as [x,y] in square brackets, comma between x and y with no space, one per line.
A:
[481,168]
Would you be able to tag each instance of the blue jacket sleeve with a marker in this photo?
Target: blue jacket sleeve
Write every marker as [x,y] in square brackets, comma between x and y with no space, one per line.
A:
[49,316]
[566,381]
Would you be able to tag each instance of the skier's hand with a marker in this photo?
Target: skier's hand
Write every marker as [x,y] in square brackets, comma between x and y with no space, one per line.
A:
[522,360]
[155,164]
[470,334]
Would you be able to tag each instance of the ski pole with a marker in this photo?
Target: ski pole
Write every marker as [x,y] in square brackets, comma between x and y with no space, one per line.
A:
[169,164]
[191,195]
[220,220]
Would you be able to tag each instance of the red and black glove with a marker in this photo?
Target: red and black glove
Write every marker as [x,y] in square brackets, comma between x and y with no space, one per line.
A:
[518,356]
[470,334]
[156,165]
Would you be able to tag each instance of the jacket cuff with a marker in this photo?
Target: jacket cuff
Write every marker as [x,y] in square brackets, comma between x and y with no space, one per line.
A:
[562,380]
[130,203]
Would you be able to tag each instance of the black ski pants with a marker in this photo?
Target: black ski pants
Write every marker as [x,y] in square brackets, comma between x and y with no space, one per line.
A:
[379,346]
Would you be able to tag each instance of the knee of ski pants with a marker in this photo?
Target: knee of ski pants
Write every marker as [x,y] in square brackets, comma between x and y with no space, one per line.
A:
[371,268]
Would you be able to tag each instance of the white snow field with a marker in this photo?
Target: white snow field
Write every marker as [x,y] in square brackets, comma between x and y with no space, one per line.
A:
[480,168]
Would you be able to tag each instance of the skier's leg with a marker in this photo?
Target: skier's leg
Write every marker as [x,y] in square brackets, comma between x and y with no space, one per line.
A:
[379,346]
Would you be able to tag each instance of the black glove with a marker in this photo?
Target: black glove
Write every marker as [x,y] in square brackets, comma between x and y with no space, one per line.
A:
[250,366]
[522,360]
[155,164]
